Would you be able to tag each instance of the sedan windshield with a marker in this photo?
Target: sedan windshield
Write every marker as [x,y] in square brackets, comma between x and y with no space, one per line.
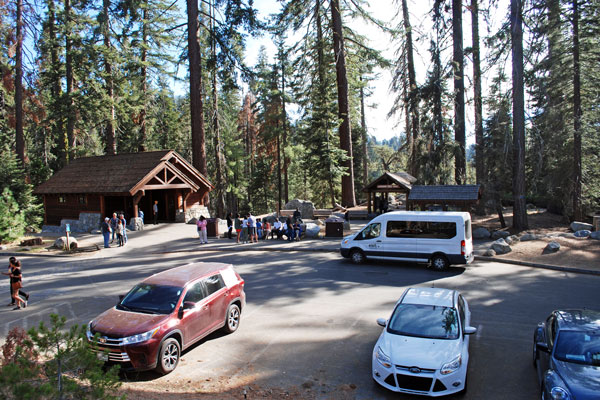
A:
[153,299]
[425,321]
[578,347]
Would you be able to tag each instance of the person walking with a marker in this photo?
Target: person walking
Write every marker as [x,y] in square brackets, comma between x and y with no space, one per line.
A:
[114,221]
[105,227]
[155,212]
[252,228]
[237,224]
[124,222]
[229,225]
[11,263]
[202,229]
[17,285]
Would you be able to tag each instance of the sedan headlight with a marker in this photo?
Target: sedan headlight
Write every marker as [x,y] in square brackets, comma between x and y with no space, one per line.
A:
[141,337]
[558,393]
[383,358]
[451,366]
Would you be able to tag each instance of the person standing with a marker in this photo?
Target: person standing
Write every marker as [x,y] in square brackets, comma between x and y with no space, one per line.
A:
[120,233]
[202,229]
[252,228]
[229,225]
[106,232]
[237,224]
[245,229]
[114,221]
[17,285]
[124,222]
[155,212]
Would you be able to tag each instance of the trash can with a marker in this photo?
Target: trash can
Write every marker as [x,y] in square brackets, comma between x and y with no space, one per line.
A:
[334,229]
[212,227]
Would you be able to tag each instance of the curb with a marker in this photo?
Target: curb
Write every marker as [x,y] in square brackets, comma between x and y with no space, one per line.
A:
[282,249]
[542,266]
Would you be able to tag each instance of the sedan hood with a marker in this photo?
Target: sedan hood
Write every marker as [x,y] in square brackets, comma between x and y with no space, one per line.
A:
[419,352]
[583,380]
[116,323]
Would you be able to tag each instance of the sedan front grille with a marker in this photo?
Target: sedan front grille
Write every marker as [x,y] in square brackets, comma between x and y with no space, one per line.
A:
[416,383]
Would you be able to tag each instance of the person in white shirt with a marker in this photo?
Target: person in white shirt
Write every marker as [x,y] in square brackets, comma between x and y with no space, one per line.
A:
[276,229]
[245,230]
[252,228]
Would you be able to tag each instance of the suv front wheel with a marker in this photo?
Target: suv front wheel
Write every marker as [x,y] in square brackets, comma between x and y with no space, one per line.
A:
[168,358]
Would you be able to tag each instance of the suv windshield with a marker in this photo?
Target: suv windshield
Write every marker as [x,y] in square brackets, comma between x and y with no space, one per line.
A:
[153,299]
[578,347]
[425,321]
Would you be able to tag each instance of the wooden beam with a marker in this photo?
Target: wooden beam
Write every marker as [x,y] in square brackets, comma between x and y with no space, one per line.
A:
[167,186]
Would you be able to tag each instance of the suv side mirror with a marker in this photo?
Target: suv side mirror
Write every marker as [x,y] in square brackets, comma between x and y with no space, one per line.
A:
[541,346]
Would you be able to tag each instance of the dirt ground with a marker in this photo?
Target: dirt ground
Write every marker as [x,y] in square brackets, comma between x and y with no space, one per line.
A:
[574,252]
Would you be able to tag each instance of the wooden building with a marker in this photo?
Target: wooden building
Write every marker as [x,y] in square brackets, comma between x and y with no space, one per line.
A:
[457,197]
[124,183]
[389,182]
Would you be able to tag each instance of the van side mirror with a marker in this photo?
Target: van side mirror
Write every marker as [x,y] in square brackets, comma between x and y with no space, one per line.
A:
[469,330]
[382,322]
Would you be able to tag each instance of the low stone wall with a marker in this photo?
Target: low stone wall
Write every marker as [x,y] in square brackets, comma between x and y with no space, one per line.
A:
[87,222]
[193,212]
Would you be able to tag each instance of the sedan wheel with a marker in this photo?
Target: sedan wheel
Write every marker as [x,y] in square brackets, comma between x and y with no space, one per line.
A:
[233,318]
[357,257]
[170,351]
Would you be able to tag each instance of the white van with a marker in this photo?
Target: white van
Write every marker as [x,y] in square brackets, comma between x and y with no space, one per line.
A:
[439,238]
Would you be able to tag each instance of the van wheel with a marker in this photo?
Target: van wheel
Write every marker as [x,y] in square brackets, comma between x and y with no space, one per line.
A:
[357,256]
[169,355]
[439,262]
[232,320]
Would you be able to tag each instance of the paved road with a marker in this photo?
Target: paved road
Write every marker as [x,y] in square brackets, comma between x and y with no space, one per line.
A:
[309,325]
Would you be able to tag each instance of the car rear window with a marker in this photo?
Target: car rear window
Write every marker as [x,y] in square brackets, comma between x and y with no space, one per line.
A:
[427,321]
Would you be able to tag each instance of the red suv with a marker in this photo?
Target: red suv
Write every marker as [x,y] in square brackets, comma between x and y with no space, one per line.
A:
[166,313]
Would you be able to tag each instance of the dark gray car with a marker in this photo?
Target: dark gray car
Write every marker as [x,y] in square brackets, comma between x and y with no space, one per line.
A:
[566,353]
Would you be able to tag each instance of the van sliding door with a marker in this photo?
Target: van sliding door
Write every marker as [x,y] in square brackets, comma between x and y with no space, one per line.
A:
[400,239]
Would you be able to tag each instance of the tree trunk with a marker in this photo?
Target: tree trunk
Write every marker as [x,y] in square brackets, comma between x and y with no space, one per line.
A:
[111,144]
[365,137]
[19,135]
[278,172]
[413,101]
[518,181]
[70,83]
[57,129]
[286,159]
[144,77]
[437,91]
[577,211]
[196,102]
[348,199]
[477,100]
[460,171]
[220,206]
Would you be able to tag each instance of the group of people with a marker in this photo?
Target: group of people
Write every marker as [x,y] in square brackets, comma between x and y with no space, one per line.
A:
[117,226]
[248,228]
[18,297]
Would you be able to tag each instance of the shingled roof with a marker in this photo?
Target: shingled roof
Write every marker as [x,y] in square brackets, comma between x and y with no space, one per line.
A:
[391,181]
[444,193]
[120,174]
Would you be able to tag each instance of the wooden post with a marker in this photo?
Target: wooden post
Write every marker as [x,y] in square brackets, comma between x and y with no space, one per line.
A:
[102,207]
[136,201]
[596,222]
[369,202]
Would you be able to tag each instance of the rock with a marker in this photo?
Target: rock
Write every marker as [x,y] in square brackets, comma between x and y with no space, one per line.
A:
[595,235]
[481,233]
[552,247]
[489,253]
[3,247]
[529,236]
[501,247]
[61,243]
[567,235]
[312,230]
[512,239]
[500,234]
[582,234]
[192,221]
[580,226]
[319,222]
[32,242]
[305,207]
[136,224]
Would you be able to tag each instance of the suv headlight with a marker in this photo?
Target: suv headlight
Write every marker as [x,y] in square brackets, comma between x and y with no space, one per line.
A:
[141,337]
[451,366]
[383,358]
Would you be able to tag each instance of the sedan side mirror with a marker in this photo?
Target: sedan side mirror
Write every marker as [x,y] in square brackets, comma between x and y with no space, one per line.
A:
[469,330]
[541,346]
[382,322]
[121,297]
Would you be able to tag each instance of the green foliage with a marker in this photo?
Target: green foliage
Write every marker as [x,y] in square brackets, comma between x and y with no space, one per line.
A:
[12,221]
[51,363]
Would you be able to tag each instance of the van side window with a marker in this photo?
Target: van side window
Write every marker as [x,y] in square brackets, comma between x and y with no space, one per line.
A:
[371,231]
[437,230]
[213,284]
[402,229]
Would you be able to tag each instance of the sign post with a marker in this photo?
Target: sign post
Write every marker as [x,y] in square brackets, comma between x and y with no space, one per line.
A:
[68,230]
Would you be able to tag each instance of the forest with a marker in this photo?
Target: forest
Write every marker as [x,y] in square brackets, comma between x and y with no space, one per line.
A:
[93,77]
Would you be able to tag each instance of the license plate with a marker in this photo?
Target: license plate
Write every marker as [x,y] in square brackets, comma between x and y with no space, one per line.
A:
[102,356]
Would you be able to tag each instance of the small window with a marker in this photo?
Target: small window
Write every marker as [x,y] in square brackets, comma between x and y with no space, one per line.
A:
[402,229]
[82,199]
[213,284]
[371,231]
[195,293]
[62,199]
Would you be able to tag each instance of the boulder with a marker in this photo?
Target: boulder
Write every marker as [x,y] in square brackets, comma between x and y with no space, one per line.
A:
[529,236]
[567,235]
[481,233]
[552,247]
[61,243]
[136,224]
[489,253]
[319,222]
[512,239]
[500,234]
[305,207]
[312,230]
[32,242]
[501,247]
[580,226]
[595,235]
[582,233]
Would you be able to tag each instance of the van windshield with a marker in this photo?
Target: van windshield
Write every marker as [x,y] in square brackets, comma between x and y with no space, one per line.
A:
[371,231]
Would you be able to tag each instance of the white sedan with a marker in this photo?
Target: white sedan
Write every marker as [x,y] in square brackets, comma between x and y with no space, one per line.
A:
[424,348]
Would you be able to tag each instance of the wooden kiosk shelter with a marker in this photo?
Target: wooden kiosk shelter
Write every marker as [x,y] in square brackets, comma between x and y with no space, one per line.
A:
[460,197]
[389,182]
[124,183]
